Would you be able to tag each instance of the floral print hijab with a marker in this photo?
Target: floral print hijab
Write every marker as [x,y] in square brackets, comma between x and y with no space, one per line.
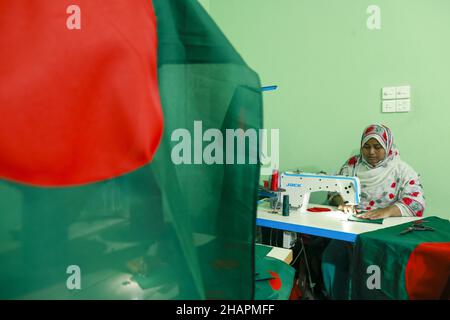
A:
[384,136]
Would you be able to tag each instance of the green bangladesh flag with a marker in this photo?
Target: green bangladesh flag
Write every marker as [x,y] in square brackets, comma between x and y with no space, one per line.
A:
[415,265]
[117,180]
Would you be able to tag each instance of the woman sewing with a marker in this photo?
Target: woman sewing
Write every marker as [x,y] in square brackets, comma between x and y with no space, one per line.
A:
[389,188]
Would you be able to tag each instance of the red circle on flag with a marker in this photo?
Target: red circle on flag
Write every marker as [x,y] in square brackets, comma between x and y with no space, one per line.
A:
[77,106]
[275,283]
[427,272]
[318,209]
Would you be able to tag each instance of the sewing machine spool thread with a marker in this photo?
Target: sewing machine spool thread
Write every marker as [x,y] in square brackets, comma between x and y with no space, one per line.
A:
[285,205]
[274,181]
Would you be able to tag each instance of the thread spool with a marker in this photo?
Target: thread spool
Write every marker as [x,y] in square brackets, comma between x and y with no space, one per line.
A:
[274,181]
[285,205]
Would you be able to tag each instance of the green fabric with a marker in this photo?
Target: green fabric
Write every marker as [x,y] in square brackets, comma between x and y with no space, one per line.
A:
[335,267]
[262,250]
[165,231]
[263,266]
[355,219]
[390,251]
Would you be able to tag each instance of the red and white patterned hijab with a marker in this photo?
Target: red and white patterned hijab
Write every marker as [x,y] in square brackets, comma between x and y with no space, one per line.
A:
[385,137]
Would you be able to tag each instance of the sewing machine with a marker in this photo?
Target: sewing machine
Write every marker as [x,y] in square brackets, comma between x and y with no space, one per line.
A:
[300,185]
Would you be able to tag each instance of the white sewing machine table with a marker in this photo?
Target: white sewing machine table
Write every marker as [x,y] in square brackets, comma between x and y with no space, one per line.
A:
[331,224]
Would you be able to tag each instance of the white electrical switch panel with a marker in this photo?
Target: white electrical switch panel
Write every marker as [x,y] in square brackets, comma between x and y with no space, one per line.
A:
[403,92]
[389,93]
[403,105]
[396,99]
[389,106]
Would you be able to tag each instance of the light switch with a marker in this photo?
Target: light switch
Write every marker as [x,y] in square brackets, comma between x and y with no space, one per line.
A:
[389,106]
[389,93]
[403,92]
[403,105]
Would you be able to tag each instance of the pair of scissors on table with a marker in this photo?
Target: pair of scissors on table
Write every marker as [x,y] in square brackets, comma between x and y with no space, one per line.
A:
[417,226]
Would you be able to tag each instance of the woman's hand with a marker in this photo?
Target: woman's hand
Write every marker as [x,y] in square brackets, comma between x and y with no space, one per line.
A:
[391,211]
[347,208]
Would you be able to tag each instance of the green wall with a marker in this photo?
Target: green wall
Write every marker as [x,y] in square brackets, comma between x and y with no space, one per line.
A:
[205,4]
[330,70]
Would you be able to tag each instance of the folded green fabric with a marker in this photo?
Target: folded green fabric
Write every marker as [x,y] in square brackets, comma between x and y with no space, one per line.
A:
[354,218]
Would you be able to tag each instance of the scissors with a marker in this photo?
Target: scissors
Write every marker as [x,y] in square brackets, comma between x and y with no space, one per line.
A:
[263,279]
[417,226]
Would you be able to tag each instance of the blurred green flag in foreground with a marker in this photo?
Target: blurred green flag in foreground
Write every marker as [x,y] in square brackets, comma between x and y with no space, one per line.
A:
[99,102]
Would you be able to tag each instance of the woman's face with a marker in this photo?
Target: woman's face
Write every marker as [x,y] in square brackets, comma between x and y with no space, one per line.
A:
[373,152]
